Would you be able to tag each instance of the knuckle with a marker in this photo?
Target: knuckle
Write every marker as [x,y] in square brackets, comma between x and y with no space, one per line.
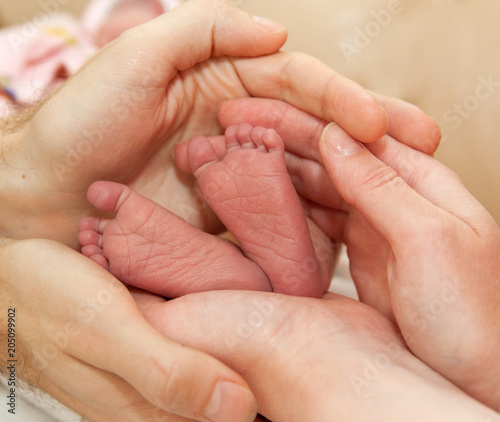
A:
[380,177]
[332,98]
[286,69]
[173,388]
[168,388]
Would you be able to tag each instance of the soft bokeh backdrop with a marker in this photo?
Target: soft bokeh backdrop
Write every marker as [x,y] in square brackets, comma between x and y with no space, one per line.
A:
[441,55]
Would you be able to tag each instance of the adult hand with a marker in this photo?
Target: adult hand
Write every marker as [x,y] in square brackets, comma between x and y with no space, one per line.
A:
[111,120]
[424,250]
[157,84]
[81,338]
[312,359]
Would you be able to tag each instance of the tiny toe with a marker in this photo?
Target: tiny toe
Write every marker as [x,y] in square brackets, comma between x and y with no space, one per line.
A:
[94,253]
[219,145]
[181,152]
[91,250]
[180,155]
[244,135]
[108,196]
[90,237]
[231,138]
[87,223]
[99,259]
[96,224]
[200,152]
[257,135]
[272,140]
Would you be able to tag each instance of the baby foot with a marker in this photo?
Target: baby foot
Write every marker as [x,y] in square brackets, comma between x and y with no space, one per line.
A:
[151,248]
[244,179]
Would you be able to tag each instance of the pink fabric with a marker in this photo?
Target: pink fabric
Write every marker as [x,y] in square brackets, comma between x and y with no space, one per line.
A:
[38,56]
[94,16]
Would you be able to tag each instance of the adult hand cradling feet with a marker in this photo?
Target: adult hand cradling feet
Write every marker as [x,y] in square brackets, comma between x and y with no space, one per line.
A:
[322,360]
[424,252]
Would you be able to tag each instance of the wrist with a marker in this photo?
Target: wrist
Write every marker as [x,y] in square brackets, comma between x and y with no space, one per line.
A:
[415,392]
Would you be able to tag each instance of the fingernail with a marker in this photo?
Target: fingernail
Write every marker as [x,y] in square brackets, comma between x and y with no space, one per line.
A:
[339,141]
[269,24]
[231,403]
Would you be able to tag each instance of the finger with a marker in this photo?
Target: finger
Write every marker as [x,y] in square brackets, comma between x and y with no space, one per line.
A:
[410,125]
[65,381]
[431,179]
[312,86]
[300,130]
[199,29]
[369,254]
[312,181]
[331,222]
[326,252]
[371,187]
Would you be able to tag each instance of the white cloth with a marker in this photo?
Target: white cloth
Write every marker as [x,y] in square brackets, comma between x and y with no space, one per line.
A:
[34,407]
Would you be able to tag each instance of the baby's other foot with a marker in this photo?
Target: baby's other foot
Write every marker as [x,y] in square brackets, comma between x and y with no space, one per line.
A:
[244,179]
[151,248]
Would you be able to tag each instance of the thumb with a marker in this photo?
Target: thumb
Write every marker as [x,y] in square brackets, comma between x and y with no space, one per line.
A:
[197,30]
[174,378]
[371,187]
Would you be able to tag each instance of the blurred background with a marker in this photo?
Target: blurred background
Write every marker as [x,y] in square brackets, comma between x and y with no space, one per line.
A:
[441,55]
